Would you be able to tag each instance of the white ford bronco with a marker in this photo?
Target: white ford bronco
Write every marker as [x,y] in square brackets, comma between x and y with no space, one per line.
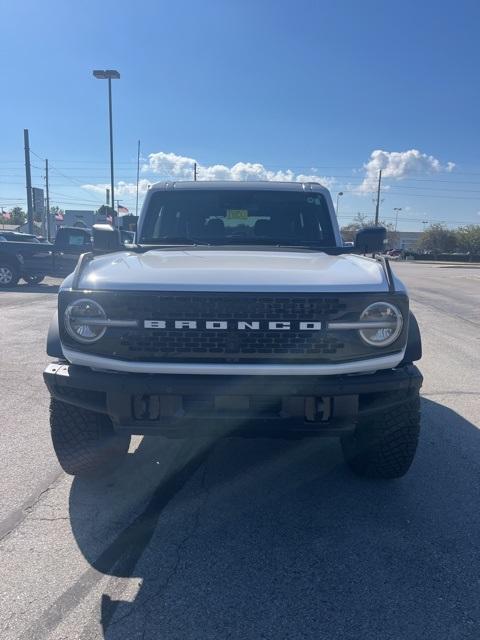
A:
[239,311]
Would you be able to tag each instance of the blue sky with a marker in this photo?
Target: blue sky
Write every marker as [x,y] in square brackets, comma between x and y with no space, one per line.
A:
[310,87]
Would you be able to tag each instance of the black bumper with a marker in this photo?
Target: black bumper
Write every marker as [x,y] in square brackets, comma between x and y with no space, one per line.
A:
[188,405]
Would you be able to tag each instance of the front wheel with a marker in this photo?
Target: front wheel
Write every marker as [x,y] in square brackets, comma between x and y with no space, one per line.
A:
[84,441]
[37,279]
[385,446]
[9,275]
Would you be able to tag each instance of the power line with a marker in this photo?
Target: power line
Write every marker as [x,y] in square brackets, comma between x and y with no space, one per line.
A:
[388,218]
[67,177]
[36,155]
[66,195]
[354,179]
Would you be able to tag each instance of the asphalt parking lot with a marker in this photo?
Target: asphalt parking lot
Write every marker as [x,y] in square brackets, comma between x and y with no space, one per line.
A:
[246,538]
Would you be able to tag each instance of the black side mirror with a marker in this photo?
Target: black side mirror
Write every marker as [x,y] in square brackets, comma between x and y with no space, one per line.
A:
[106,238]
[370,239]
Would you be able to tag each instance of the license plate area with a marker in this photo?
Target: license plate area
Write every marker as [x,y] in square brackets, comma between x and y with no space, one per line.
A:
[154,407]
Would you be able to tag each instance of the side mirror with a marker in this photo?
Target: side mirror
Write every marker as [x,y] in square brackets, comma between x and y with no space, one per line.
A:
[106,238]
[370,239]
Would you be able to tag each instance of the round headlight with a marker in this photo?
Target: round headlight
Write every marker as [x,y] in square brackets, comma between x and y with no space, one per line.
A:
[386,324]
[85,320]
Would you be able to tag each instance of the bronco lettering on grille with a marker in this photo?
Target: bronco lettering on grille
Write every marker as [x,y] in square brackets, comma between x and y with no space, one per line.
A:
[241,325]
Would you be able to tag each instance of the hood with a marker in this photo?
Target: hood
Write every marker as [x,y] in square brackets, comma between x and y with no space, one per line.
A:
[233,270]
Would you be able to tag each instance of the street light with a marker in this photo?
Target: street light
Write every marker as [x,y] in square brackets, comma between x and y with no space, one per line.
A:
[109,74]
[397,209]
[340,193]
[424,222]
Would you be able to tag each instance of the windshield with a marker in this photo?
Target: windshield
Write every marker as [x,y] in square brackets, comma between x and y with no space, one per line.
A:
[238,217]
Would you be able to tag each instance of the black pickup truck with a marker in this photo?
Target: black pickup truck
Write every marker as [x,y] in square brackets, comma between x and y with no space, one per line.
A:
[23,256]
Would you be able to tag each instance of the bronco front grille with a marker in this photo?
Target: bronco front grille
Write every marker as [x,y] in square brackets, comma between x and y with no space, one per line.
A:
[231,345]
[174,343]
[227,307]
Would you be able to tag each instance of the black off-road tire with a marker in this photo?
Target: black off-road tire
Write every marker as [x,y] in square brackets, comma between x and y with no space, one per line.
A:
[34,279]
[9,274]
[384,446]
[84,441]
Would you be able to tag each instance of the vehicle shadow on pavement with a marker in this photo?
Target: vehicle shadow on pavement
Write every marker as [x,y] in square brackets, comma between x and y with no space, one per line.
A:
[277,539]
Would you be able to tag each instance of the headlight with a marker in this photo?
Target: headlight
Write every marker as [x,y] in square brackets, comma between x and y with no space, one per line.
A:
[386,321]
[85,320]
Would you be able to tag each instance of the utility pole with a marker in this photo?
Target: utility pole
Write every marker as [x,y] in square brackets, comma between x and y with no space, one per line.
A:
[47,201]
[109,74]
[377,207]
[111,146]
[195,171]
[28,176]
[138,177]
[107,196]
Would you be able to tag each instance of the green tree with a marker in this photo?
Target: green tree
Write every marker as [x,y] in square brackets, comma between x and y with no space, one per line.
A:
[438,239]
[18,216]
[361,221]
[349,231]
[55,210]
[468,238]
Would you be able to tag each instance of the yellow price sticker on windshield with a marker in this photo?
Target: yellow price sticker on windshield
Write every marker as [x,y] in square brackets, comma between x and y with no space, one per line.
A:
[237,214]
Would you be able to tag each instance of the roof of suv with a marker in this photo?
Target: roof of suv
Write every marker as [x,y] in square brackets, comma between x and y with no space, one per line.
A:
[260,185]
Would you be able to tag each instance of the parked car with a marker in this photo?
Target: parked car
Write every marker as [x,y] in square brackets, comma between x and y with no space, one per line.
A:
[23,256]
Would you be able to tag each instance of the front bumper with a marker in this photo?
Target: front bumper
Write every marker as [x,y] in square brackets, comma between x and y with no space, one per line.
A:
[190,405]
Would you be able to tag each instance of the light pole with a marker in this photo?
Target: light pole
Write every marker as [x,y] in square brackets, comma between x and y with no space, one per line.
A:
[340,193]
[109,74]
[396,209]
[424,222]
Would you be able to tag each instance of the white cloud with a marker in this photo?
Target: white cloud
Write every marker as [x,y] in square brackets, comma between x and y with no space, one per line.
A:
[325,181]
[399,165]
[121,188]
[172,166]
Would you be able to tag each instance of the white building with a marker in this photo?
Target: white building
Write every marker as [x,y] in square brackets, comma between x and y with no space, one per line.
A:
[407,240]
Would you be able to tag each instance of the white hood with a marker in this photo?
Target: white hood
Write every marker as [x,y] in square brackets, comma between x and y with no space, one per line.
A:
[233,270]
